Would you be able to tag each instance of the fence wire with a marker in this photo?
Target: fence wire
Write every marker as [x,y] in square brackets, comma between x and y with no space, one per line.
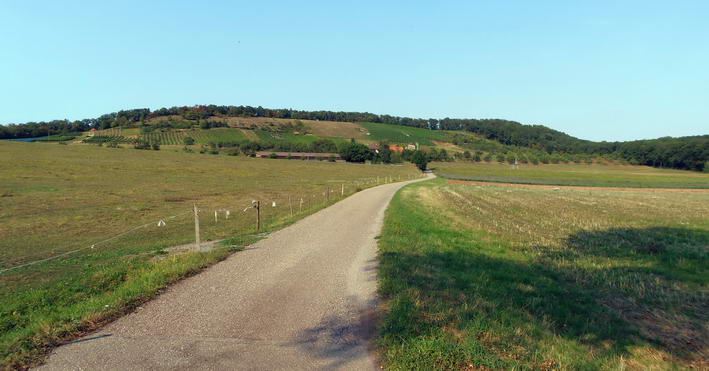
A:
[213,218]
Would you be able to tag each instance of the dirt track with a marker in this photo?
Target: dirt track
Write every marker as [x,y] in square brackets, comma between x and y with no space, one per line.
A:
[301,299]
[583,188]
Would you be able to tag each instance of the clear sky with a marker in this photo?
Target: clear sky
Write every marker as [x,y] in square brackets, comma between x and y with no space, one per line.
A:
[600,70]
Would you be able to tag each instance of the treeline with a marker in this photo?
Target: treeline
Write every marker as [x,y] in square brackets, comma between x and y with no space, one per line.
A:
[681,153]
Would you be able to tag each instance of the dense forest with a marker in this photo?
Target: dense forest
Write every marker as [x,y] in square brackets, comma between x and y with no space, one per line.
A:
[681,153]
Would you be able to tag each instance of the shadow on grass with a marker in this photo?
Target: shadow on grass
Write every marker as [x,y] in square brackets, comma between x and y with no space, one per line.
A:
[459,302]
[655,281]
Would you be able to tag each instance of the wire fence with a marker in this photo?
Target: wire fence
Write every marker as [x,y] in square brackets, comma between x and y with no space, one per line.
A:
[197,227]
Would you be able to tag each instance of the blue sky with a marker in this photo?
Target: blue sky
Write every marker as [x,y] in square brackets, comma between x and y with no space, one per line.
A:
[602,70]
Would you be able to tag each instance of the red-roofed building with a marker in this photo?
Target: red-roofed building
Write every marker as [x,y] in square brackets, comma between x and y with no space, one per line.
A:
[396,148]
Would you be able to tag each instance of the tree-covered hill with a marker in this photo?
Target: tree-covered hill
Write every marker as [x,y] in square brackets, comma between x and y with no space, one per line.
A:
[681,153]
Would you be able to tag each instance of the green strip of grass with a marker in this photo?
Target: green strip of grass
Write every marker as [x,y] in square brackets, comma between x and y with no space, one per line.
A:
[576,183]
[573,175]
[457,297]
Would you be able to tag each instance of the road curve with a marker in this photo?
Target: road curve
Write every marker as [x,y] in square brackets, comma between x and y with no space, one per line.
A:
[303,298]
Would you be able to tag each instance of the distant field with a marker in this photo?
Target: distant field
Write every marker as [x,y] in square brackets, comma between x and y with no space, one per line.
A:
[215,135]
[573,174]
[488,277]
[404,134]
[56,199]
[269,129]
[318,128]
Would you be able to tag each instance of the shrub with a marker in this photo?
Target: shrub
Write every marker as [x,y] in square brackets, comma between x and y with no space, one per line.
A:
[188,141]
[420,159]
[356,152]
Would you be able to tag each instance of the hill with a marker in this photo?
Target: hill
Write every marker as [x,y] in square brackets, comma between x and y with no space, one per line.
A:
[681,153]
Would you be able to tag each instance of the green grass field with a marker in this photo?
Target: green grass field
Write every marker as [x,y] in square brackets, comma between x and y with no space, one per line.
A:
[573,174]
[57,199]
[489,277]
[403,134]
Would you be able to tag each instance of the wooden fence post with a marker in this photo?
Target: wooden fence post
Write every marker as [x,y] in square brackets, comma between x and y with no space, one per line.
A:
[196,227]
[290,205]
[258,215]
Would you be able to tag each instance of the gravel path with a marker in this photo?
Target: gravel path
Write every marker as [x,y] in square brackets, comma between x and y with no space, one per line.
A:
[301,299]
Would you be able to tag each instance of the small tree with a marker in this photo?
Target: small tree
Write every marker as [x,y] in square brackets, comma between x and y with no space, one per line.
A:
[420,159]
[356,152]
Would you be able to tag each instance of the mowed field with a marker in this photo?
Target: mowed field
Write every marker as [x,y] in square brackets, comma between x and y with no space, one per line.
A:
[573,174]
[117,212]
[494,277]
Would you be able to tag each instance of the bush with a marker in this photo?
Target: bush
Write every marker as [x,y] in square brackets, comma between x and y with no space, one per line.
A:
[188,141]
[141,144]
[155,146]
[420,159]
[356,152]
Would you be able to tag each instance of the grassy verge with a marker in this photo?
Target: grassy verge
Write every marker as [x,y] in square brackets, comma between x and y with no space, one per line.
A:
[59,198]
[573,175]
[492,278]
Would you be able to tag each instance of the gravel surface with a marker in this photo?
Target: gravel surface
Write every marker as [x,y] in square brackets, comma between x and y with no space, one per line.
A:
[301,299]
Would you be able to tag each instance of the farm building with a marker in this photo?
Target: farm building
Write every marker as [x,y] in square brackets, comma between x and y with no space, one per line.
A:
[396,148]
[299,155]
